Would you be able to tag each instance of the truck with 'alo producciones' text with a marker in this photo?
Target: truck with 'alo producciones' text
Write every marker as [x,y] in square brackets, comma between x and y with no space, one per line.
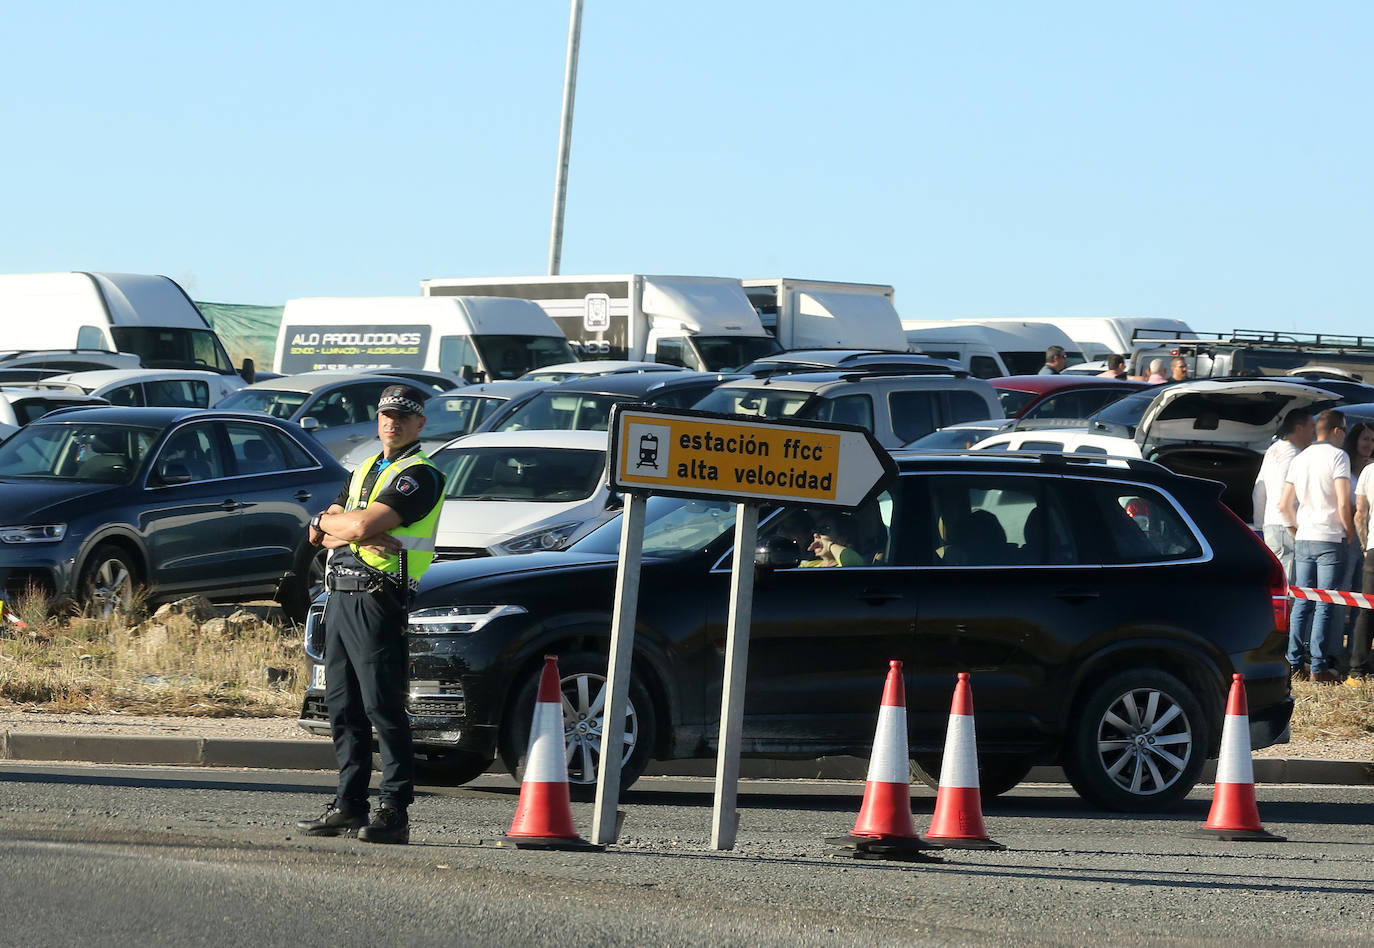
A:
[703,323]
[480,338]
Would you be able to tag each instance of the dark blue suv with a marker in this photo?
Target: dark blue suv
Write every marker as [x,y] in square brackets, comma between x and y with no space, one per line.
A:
[96,502]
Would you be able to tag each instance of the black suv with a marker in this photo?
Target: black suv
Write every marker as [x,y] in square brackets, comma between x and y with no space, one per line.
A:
[1102,605]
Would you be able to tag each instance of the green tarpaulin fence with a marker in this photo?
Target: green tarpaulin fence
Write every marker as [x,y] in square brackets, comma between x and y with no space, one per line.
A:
[246,331]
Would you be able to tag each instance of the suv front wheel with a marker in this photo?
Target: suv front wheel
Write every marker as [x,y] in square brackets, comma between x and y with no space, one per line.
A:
[1138,742]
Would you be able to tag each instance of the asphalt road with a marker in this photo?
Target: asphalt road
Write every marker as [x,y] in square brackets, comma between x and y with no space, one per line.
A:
[154,856]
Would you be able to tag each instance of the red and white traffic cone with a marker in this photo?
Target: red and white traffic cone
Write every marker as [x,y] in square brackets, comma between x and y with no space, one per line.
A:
[884,826]
[958,819]
[1235,814]
[543,818]
[7,616]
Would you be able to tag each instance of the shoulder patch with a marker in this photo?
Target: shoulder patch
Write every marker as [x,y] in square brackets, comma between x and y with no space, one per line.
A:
[407,484]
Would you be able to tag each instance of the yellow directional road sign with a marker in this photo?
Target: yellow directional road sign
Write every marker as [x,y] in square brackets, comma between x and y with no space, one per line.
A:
[682,452]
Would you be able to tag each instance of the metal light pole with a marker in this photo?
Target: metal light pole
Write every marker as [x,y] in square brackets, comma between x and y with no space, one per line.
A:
[560,186]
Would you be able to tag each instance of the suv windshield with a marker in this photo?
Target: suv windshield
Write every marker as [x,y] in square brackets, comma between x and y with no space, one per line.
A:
[529,474]
[673,527]
[162,347]
[278,404]
[765,402]
[98,453]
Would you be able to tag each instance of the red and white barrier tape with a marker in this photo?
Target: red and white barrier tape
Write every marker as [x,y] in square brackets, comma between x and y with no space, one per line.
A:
[1336,596]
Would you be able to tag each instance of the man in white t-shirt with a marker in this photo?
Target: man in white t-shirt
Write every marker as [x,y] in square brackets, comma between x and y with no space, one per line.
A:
[1295,434]
[1359,640]
[1316,497]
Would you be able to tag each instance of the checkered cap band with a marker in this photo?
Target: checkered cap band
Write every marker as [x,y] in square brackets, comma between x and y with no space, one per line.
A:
[399,398]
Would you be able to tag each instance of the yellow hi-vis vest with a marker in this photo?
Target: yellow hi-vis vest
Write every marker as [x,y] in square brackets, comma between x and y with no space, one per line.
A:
[417,539]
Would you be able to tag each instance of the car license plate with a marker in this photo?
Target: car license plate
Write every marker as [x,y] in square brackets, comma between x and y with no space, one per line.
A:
[317,678]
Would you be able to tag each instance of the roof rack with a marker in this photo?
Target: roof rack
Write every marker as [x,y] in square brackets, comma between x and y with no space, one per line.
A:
[852,372]
[1253,337]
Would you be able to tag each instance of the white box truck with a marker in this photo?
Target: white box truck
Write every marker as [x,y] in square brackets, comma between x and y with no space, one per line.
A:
[989,348]
[146,315]
[704,323]
[479,338]
[823,314]
[1100,336]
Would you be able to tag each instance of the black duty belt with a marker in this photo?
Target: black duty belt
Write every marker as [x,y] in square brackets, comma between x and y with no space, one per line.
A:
[348,581]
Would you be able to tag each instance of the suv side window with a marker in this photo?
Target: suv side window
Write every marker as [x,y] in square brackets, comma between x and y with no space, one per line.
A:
[178,393]
[1138,525]
[961,405]
[195,448]
[847,410]
[995,520]
[125,395]
[867,529]
[914,414]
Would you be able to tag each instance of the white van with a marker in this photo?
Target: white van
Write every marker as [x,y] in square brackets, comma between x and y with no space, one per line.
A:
[480,338]
[1101,336]
[148,316]
[989,348]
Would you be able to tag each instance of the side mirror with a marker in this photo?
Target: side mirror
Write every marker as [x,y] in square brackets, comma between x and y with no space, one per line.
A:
[249,371]
[778,552]
[615,501]
[310,423]
[172,473]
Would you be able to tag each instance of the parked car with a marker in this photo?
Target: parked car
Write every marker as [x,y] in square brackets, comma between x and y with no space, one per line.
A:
[98,501]
[1026,570]
[1059,440]
[20,405]
[1059,396]
[584,404]
[339,409]
[155,388]
[898,407]
[819,360]
[594,368]
[960,435]
[68,360]
[434,381]
[454,415]
[522,492]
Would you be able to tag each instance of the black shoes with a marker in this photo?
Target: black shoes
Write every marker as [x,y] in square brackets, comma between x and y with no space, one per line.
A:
[334,822]
[388,825]
[1326,677]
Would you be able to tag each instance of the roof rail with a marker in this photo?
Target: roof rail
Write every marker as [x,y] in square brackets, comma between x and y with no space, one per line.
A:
[852,372]
[1327,342]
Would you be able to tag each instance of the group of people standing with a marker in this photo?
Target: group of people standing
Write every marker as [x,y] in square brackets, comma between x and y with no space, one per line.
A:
[1313,496]
[1056,360]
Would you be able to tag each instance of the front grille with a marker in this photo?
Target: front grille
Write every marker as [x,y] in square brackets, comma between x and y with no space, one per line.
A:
[459,552]
[314,633]
[22,582]
[436,706]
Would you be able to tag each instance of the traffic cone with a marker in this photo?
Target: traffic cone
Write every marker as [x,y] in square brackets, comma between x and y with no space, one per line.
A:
[543,817]
[958,819]
[6,615]
[1235,814]
[884,827]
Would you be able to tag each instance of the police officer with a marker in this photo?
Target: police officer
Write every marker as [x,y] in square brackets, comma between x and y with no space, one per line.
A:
[381,528]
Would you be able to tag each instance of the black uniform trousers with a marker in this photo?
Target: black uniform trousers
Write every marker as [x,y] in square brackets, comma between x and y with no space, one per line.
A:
[366,672]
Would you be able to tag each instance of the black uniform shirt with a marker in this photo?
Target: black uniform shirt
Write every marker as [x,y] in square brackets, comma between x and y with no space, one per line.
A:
[412,495]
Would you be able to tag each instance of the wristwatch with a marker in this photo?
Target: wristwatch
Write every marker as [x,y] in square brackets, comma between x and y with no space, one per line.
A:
[315,522]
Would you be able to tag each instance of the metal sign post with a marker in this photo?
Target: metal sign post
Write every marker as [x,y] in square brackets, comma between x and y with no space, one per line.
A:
[617,690]
[682,453]
[724,816]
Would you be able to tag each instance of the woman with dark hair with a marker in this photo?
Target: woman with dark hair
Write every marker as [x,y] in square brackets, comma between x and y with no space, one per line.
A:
[833,542]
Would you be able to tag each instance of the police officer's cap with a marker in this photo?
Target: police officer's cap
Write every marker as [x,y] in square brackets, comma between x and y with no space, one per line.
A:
[406,399]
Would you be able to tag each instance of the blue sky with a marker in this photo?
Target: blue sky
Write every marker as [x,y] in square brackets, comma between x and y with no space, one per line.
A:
[1204,161]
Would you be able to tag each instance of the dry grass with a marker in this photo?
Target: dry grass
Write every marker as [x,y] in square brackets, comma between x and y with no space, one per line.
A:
[1332,712]
[169,665]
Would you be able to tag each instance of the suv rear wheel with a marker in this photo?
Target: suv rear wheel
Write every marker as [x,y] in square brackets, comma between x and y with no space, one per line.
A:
[583,683]
[1137,743]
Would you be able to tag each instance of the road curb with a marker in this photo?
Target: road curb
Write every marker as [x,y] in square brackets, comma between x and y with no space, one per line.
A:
[287,754]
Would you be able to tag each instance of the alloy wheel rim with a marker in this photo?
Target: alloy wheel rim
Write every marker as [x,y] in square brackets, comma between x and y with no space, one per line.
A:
[1144,741]
[111,586]
[584,713]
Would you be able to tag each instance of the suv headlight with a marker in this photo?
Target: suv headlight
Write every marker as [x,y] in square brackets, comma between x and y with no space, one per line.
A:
[450,620]
[34,533]
[545,538]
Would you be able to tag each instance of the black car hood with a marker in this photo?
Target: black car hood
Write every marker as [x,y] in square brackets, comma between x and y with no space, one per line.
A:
[26,500]
[442,575]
